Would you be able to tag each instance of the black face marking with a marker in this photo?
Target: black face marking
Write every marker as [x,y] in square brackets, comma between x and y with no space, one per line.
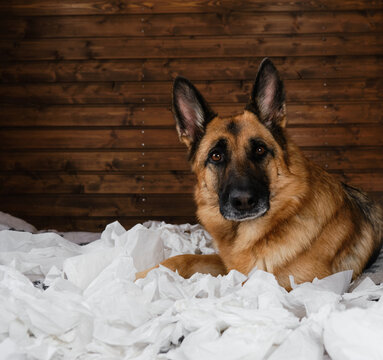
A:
[360,199]
[221,148]
[233,128]
[276,130]
[243,190]
[253,152]
[279,136]
[244,196]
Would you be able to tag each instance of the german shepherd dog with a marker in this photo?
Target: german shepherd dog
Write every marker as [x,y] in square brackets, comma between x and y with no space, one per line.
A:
[264,203]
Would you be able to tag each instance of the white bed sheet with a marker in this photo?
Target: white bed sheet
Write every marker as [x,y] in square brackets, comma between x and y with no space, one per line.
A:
[92,308]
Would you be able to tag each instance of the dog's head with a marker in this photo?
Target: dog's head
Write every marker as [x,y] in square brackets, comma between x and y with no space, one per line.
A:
[236,159]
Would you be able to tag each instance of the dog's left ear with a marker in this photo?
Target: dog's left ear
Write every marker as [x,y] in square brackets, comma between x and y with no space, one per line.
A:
[191,112]
[267,99]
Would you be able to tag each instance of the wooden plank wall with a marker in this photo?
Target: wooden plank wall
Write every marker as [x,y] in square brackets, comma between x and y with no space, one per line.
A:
[86,134]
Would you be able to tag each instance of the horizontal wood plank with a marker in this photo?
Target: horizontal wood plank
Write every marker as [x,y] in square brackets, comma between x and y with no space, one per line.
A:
[338,136]
[368,182]
[87,7]
[112,161]
[347,159]
[167,138]
[196,47]
[351,159]
[160,92]
[143,116]
[213,24]
[98,224]
[290,68]
[148,183]
[371,135]
[98,205]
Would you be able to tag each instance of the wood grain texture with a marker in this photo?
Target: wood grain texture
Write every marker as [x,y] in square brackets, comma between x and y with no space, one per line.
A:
[290,68]
[98,224]
[159,92]
[144,183]
[196,47]
[110,161]
[168,183]
[98,205]
[73,162]
[371,135]
[213,24]
[86,132]
[112,7]
[147,116]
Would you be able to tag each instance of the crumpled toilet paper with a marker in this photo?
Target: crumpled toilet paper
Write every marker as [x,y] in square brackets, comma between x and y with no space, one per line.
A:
[93,308]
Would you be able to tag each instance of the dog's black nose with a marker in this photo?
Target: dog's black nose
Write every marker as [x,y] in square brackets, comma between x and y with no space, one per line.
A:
[242,200]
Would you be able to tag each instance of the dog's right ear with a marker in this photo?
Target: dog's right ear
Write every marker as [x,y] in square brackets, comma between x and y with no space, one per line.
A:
[267,98]
[191,112]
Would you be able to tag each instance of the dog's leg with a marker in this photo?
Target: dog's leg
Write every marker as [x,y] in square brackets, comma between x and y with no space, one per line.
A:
[187,265]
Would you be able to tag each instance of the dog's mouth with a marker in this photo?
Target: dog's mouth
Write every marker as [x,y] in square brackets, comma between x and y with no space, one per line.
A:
[230,213]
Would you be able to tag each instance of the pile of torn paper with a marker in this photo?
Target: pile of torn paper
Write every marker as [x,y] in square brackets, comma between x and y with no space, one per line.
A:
[59,300]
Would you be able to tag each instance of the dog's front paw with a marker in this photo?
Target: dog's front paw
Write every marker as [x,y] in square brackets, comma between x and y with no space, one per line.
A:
[142,274]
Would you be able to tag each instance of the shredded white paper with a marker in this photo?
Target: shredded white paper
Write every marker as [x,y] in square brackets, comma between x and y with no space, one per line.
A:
[92,308]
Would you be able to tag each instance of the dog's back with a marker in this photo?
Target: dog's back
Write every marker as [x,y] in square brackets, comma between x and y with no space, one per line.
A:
[371,217]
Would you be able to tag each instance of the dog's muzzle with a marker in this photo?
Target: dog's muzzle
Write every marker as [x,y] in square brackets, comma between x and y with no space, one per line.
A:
[244,204]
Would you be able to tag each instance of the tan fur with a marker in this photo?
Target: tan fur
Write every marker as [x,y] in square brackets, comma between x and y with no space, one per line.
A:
[313,228]
[188,265]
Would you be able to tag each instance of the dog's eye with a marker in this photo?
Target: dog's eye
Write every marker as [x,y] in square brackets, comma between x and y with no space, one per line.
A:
[260,150]
[216,157]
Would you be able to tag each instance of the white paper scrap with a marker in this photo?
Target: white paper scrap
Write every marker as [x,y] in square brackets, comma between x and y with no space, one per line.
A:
[59,300]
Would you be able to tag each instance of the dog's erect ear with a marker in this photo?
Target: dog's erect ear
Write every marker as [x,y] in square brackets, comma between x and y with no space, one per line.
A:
[267,98]
[192,113]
